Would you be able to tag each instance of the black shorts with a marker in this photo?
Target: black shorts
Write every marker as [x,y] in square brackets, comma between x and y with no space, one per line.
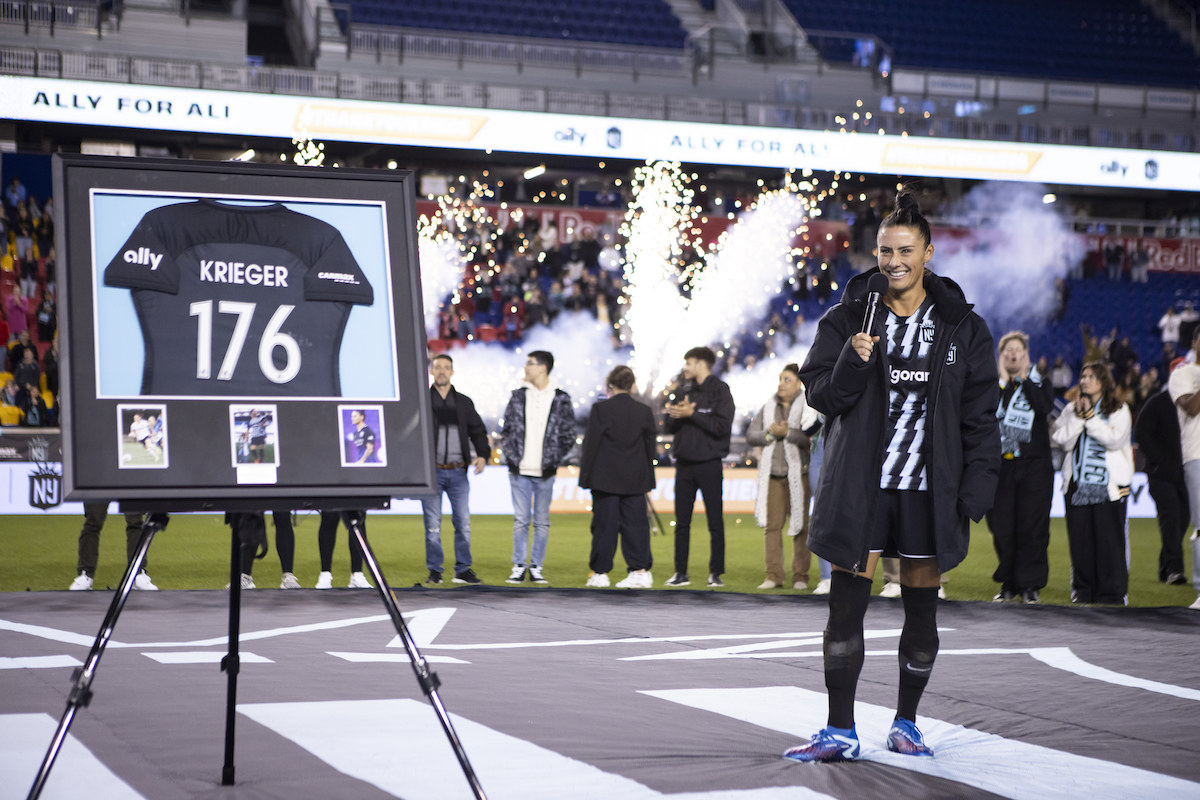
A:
[903,525]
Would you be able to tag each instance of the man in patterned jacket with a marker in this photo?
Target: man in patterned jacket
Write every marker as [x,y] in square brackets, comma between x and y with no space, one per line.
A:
[539,432]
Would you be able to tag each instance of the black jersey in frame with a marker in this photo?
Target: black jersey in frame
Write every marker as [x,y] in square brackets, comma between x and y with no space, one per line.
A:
[239,301]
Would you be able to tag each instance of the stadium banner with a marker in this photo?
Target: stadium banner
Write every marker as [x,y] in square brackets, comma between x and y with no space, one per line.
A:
[238,335]
[30,488]
[225,113]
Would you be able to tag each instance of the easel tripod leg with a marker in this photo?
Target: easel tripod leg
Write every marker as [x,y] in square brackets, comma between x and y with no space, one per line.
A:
[81,692]
[427,679]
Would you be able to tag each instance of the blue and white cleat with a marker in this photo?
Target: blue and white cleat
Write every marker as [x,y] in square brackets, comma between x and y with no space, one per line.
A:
[904,738]
[828,745]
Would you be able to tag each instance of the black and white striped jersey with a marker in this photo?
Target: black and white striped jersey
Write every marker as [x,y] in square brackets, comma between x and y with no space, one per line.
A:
[909,343]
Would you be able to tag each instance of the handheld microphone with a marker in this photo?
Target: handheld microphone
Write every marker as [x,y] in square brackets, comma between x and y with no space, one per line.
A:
[877,284]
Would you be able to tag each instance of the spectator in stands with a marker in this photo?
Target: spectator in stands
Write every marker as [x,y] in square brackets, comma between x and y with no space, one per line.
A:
[1094,430]
[782,428]
[28,272]
[1121,358]
[1188,322]
[1184,386]
[50,369]
[16,351]
[1150,383]
[1020,515]
[1169,325]
[11,395]
[1114,260]
[1129,390]
[31,402]
[1062,296]
[22,225]
[19,309]
[1139,263]
[45,230]
[28,371]
[1061,377]
[48,265]
[617,465]
[47,319]
[538,434]
[15,194]
[1159,441]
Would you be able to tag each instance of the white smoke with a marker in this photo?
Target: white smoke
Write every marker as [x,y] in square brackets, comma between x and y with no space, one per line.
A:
[1020,245]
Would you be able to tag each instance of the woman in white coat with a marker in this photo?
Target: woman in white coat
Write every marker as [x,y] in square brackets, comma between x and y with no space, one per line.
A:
[1094,430]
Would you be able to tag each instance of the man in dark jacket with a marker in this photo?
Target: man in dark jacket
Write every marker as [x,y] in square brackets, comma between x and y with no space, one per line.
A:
[912,454]
[618,466]
[1159,440]
[456,427]
[702,420]
[538,434]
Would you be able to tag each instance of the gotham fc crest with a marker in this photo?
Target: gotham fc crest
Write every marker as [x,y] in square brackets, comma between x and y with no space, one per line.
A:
[45,482]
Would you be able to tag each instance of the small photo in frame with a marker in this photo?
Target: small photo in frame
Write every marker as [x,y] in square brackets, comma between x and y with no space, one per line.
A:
[254,435]
[362,436]
[142,436]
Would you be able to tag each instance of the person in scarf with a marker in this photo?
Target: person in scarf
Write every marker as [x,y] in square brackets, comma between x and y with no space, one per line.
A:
[1020,515]
[1094,431]
[782,428]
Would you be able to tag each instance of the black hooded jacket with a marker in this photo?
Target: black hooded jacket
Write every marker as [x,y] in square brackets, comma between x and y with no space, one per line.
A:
[962,439]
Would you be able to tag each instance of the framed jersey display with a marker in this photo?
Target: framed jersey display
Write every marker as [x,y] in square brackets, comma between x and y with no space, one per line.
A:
[273,312]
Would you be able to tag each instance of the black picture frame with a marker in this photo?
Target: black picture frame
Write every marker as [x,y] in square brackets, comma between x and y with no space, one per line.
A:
[368,353]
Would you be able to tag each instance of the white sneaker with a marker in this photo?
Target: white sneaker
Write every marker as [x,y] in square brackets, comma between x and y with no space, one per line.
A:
[359,581]
[81,584]
[142,581]
[890,590]
[598,580]
[638,579]
[324,581]
[822,586]
[769,584]
[800,586]
[1194,606]
[518,575]
[941,592]
[535,575]
[289,581]
[247,581]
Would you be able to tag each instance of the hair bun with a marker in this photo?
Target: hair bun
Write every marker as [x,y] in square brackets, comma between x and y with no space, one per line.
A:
[905,200]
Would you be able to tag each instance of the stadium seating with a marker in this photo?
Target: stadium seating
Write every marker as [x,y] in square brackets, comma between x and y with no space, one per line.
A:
[647,23]
[1108,41]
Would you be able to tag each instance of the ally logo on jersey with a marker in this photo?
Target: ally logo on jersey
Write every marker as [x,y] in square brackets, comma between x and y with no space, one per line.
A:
[143,256]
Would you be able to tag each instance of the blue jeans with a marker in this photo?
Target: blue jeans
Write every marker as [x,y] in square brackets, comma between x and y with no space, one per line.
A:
[530,493]
[456,487]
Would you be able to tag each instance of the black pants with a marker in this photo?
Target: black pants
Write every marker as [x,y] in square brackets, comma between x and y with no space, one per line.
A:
[707,477]
[285,544]
[1020,523]
[1099,569]
[1171,501]
[327,538]
[94,515]
[624,513]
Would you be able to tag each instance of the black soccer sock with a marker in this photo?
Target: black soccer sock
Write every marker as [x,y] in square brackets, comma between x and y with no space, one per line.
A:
[844,647]
[918,647]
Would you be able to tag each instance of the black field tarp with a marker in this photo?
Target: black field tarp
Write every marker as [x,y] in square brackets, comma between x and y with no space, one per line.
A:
[589,694]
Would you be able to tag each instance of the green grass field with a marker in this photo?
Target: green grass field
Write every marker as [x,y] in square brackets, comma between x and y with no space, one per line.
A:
[193,553]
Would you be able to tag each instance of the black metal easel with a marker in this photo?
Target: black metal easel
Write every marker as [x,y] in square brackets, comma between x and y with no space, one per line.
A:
[81,695]
[81,692]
